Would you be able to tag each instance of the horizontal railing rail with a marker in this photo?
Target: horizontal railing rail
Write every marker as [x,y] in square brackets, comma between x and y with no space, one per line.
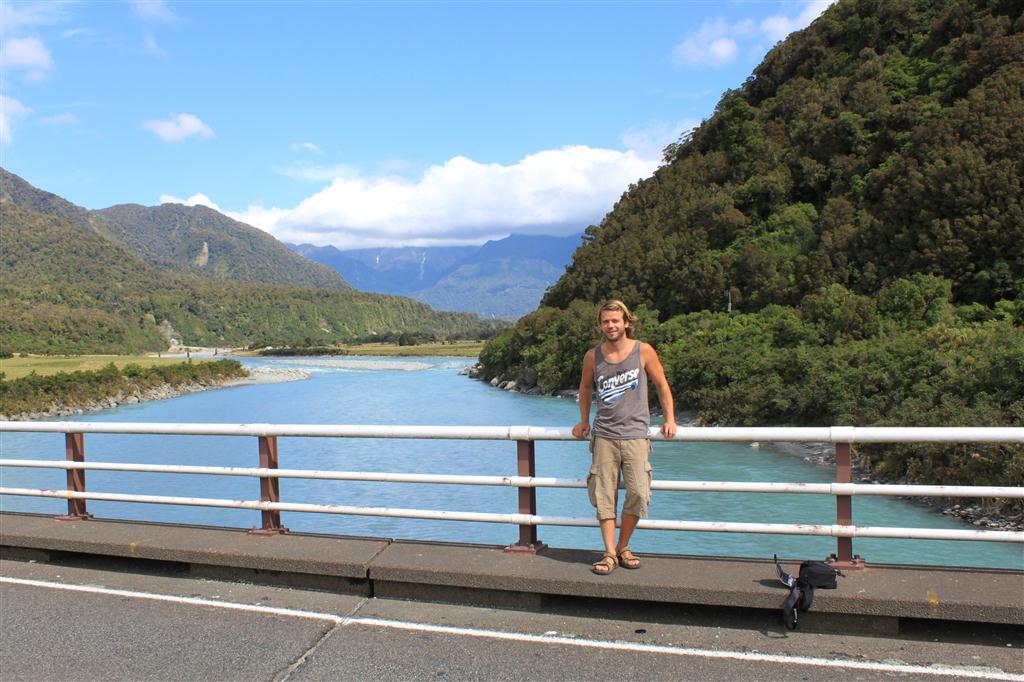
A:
[715,434]
[536,481]
[537,520]
[526,481]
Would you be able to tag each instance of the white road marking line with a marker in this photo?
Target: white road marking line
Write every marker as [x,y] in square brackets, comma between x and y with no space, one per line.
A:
[194,601]
[949,671]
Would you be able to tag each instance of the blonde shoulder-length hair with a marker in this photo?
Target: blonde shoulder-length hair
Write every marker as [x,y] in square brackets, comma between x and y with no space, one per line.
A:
[616,305]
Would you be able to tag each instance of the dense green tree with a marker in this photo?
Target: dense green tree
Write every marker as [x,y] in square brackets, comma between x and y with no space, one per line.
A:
[860,201]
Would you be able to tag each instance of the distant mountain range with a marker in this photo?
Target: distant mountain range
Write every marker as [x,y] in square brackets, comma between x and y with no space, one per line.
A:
[502,278]
[129,278]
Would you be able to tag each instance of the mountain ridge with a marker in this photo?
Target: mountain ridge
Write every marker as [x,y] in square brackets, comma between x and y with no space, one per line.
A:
[502,278]
[175,236]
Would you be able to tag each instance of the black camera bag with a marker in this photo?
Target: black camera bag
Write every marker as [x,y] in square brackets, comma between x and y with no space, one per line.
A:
[813,575]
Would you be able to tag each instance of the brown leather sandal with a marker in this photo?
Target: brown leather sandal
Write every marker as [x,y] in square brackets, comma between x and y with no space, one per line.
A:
[608,563]
[627,559]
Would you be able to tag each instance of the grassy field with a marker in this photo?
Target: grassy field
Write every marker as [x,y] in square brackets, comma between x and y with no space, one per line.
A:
[469,349]
[43,365]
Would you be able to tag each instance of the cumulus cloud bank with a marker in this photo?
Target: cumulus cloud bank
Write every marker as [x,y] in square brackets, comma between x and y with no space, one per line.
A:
[719,42]
[558,191]
[178,127]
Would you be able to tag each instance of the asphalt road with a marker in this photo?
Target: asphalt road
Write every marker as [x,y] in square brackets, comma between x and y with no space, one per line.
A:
[85,623]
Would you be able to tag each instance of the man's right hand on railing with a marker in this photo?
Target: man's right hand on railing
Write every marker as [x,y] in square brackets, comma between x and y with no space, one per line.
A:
[581,430]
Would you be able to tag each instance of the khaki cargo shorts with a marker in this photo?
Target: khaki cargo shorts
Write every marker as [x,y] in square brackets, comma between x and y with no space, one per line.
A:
[610,457]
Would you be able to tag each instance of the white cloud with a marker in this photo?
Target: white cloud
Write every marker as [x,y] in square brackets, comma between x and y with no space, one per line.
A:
[306,147]
[153,10]
[719,42]
[26,54]
[553,191]
[650,141]
[194,200]
[714,44]
[65,119]
[723,50]
[179,127]
[10,110]
[15,16]
[150,46]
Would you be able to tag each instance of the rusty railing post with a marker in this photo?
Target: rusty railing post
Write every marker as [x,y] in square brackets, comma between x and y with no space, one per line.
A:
[844,556]
[526,465]
[270,489]
[74,448]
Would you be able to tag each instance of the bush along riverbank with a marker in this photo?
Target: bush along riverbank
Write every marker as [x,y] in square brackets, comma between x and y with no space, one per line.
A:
[67,393]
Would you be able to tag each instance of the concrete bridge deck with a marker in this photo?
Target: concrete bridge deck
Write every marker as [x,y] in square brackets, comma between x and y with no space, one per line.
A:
[879,599]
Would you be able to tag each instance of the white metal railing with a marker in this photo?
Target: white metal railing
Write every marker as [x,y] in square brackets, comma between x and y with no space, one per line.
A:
[527,518]
[717,434]
[537,481]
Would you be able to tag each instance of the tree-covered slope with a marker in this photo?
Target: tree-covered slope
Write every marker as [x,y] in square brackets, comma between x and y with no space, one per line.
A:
[66,290]
[860,203]
[196,240]
[15,190]
[202,241]
[884,140]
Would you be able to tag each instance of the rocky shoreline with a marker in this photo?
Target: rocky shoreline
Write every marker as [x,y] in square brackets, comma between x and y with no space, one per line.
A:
[983,518]
[819,454]
[257,375]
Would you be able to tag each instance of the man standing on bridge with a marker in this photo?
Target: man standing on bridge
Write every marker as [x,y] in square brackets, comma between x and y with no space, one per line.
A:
[617,371]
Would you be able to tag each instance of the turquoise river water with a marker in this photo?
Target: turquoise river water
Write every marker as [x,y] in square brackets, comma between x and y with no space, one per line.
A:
[430,391]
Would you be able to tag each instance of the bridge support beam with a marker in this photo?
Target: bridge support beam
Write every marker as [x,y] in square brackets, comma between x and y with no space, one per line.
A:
[526,465]
[74,447]
[844,556]
[270,489]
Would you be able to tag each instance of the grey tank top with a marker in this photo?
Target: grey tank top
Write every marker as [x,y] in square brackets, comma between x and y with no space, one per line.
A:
[620,390]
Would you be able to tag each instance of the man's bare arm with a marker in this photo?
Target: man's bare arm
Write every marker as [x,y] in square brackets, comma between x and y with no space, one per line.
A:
[656,375]
[582,430]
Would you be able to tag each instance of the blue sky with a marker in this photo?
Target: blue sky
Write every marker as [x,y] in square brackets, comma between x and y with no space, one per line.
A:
[368,124]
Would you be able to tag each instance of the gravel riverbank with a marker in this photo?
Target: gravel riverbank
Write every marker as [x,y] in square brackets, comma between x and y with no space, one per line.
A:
[257,375]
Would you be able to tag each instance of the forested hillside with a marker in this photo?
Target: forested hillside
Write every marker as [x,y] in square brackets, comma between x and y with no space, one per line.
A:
[69,290]
[202,241]
[859,201]
[196,240]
